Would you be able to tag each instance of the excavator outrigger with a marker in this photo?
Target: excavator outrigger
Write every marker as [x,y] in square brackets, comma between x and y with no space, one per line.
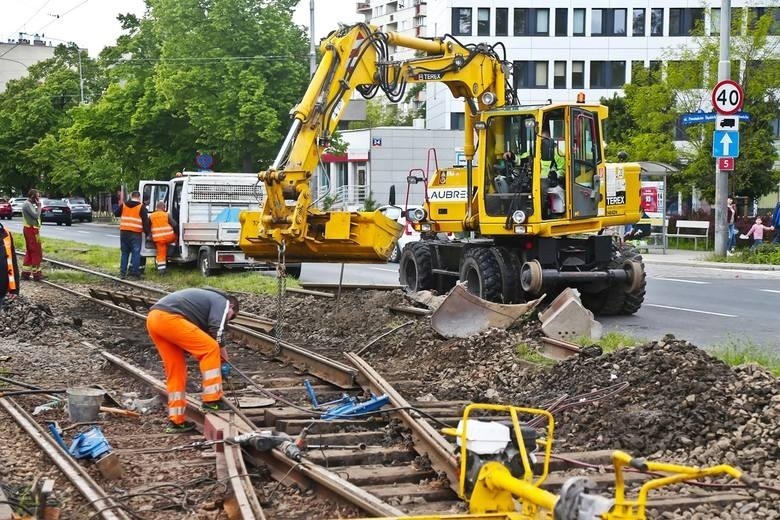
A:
[528,224]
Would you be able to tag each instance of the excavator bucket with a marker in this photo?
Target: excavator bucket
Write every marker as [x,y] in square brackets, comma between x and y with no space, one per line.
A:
[334,236]
[463,314]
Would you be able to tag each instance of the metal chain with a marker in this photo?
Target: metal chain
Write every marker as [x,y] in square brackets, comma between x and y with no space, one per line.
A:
[281,283]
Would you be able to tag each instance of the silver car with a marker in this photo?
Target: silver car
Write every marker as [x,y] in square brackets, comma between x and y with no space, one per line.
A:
[80,209]
[16,204]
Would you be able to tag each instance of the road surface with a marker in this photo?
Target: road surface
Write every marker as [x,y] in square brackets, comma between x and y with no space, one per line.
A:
[709,307]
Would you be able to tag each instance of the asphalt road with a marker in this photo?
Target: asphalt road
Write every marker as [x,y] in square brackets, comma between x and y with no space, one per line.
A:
[709,307]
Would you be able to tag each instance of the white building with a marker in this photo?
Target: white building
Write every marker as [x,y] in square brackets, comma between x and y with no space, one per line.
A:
[16,56]
[560,47]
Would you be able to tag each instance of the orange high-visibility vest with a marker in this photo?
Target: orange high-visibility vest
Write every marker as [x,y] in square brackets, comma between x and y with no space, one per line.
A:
[131,219]
[9,258]
[161,229]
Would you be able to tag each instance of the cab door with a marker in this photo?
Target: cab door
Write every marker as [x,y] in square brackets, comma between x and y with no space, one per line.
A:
[585,157]
[151,193]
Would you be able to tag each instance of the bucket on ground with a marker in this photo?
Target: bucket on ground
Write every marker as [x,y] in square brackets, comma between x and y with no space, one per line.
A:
[84,403]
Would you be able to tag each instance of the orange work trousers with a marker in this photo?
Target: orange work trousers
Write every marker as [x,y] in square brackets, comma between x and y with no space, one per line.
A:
[162,255]
[173,335]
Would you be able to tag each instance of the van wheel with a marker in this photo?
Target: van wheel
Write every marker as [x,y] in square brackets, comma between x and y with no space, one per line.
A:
[206,263]
[293,270]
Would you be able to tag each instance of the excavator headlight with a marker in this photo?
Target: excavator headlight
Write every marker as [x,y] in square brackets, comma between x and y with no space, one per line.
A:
[425,227]
[416,214]
[518,217]
[520,230]
[488,98]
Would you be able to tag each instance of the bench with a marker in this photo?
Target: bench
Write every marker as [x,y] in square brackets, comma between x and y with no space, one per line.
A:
[685,226]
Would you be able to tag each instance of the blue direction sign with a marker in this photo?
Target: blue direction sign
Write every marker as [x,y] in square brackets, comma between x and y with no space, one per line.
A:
[725,143]
[694,118]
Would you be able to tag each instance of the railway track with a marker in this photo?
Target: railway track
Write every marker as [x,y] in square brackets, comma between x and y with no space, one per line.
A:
[390,464]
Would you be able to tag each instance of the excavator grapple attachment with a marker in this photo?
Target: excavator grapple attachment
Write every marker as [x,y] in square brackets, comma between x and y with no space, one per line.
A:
[334,236]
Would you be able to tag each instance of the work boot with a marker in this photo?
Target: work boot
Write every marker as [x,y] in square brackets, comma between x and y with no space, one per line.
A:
[184,427]
[215,406]
[26,276]
[37,277]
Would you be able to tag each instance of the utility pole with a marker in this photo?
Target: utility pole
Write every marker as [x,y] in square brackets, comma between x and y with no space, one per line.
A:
[312,52]
[721,177]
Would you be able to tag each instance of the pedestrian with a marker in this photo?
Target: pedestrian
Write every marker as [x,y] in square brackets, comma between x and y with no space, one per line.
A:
[776,224]
[191,321]
[33,252]
[9,280]
[731,216]
[163,234]
[757,232]
[133,222]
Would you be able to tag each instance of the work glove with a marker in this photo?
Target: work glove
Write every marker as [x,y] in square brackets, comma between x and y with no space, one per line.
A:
[226,370]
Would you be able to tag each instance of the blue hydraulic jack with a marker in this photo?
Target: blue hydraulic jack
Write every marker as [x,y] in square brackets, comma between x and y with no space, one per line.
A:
[91,444]
[346,406]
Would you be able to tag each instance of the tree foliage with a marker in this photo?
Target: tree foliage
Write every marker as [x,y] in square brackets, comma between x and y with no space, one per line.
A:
[219,76]
[643,122]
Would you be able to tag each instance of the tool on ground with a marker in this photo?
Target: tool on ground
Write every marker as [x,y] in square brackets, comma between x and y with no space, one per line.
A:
[90,444]
[120,411]
[313,397]
[498,456]
[463,314]
[263,440]
[346,406]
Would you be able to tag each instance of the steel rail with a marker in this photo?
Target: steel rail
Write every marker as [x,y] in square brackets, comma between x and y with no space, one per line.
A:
[427,440]
[105,506]
[305,473]
[334,372]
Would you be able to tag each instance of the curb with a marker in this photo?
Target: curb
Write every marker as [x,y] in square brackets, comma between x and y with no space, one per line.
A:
[712,265]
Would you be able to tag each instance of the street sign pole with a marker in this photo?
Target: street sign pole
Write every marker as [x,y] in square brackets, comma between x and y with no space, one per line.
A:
[721,177]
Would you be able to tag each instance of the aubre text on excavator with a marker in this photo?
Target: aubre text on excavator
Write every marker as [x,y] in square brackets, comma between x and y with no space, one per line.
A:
[528,205]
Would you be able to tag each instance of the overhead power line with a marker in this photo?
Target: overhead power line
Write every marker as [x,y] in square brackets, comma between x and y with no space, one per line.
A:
[61,16]
[33,15]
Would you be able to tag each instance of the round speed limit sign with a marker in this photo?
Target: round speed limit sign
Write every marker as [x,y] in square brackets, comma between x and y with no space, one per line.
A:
[727,97]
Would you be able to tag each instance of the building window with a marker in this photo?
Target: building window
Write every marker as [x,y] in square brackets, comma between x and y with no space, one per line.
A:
[608,22]
[715,21]
[561,21]
[532,22]
[607,74]
[685,22]
[559,74]
[457,121]
[578,74]
[502,21]
[579,23]
[530,74]
[639,22]
[483,21]
[656,21]
[736,21]
[461,21]
[756,13]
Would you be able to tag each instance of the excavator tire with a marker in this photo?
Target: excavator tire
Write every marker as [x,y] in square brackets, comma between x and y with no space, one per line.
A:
[482,273]
[617,299]
[414,270]
[509,264]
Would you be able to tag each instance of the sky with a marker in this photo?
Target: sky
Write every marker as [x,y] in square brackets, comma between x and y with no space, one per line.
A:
[92,24]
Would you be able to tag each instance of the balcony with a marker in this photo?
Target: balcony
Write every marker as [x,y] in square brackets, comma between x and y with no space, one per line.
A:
[363,7]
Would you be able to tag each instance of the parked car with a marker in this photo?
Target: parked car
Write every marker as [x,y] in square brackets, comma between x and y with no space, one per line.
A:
[80,209]
[55,210]
[398,214]
[16,204]
[6,211]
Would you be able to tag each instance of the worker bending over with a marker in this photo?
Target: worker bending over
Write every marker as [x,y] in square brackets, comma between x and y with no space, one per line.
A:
[162,225]
[194,321]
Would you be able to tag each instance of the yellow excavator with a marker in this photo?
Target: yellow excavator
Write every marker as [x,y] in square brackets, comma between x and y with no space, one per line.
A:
[528,206]
[504,463]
